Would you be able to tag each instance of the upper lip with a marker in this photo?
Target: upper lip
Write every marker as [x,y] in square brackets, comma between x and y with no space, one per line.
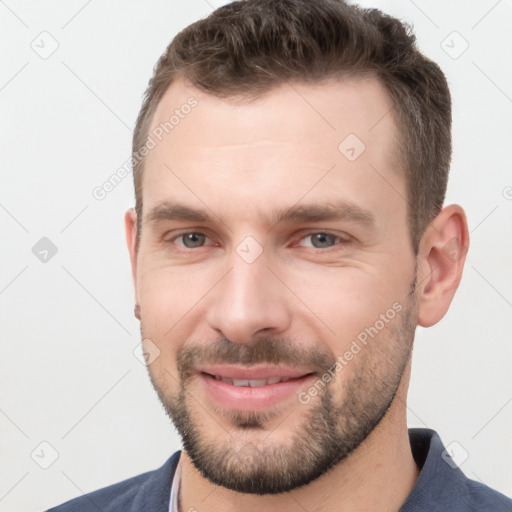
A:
[253,372]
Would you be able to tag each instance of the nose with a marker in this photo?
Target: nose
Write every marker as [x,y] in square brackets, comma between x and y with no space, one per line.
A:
[248,301]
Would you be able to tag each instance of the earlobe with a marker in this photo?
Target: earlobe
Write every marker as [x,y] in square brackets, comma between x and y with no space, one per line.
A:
[441,257]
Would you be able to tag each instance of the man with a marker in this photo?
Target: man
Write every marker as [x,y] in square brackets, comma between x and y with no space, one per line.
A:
[290,166]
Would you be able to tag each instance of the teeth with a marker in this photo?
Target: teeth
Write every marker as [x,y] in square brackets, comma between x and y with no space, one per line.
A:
[253,383]
[242,382]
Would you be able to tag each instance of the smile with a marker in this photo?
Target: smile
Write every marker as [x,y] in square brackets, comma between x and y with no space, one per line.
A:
[252,388]
[253,383]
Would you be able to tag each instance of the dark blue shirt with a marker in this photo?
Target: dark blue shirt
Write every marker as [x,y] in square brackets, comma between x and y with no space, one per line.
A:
[441,487]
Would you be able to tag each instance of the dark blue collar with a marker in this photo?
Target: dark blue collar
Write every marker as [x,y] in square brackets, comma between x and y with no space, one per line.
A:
[441,485]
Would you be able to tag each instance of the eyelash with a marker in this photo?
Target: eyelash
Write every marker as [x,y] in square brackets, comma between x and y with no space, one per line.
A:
[340,239]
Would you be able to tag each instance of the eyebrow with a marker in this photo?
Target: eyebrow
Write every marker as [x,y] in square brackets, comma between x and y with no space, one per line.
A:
[342,210]
[174,211]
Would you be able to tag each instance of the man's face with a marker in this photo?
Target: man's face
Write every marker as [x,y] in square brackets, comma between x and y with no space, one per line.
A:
[274,245]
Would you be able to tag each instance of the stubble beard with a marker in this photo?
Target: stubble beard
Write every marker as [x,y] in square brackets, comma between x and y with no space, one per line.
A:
[244,460]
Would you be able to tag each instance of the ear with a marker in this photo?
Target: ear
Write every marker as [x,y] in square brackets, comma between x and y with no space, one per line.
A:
[441,258]
[130,224]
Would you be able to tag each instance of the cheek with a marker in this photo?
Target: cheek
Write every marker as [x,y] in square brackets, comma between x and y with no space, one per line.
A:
[164,290]
[172,302]
[347,300]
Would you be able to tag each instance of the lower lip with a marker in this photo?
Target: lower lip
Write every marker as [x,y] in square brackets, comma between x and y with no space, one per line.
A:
[246,398]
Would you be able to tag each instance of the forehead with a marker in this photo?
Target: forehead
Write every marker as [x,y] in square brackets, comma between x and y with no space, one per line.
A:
[332,107]
[330,140]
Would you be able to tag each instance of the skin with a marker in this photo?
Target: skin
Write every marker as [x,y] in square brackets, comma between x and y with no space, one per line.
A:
[240,161]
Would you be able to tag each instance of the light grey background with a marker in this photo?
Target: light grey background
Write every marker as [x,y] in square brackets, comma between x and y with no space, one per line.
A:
[68,373]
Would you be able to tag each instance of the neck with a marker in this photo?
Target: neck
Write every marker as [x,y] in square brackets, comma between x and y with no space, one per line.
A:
[378,475]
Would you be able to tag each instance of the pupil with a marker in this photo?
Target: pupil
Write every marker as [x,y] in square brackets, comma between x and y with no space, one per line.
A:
[193,239]
[322,240]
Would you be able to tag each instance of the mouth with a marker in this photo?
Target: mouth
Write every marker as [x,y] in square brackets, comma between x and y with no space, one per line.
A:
[253,383]
[252,388]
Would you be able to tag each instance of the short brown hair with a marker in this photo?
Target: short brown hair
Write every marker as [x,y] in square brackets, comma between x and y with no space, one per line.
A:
[247,47]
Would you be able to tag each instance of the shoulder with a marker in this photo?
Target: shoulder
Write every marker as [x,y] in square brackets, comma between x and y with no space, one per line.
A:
[441,484]
[480,497]
[147,491]
[466,495]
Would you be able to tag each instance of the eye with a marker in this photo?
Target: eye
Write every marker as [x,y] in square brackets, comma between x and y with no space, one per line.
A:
[192,240]
[320,240]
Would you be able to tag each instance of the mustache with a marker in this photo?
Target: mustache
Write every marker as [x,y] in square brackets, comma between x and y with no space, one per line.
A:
[272,351]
